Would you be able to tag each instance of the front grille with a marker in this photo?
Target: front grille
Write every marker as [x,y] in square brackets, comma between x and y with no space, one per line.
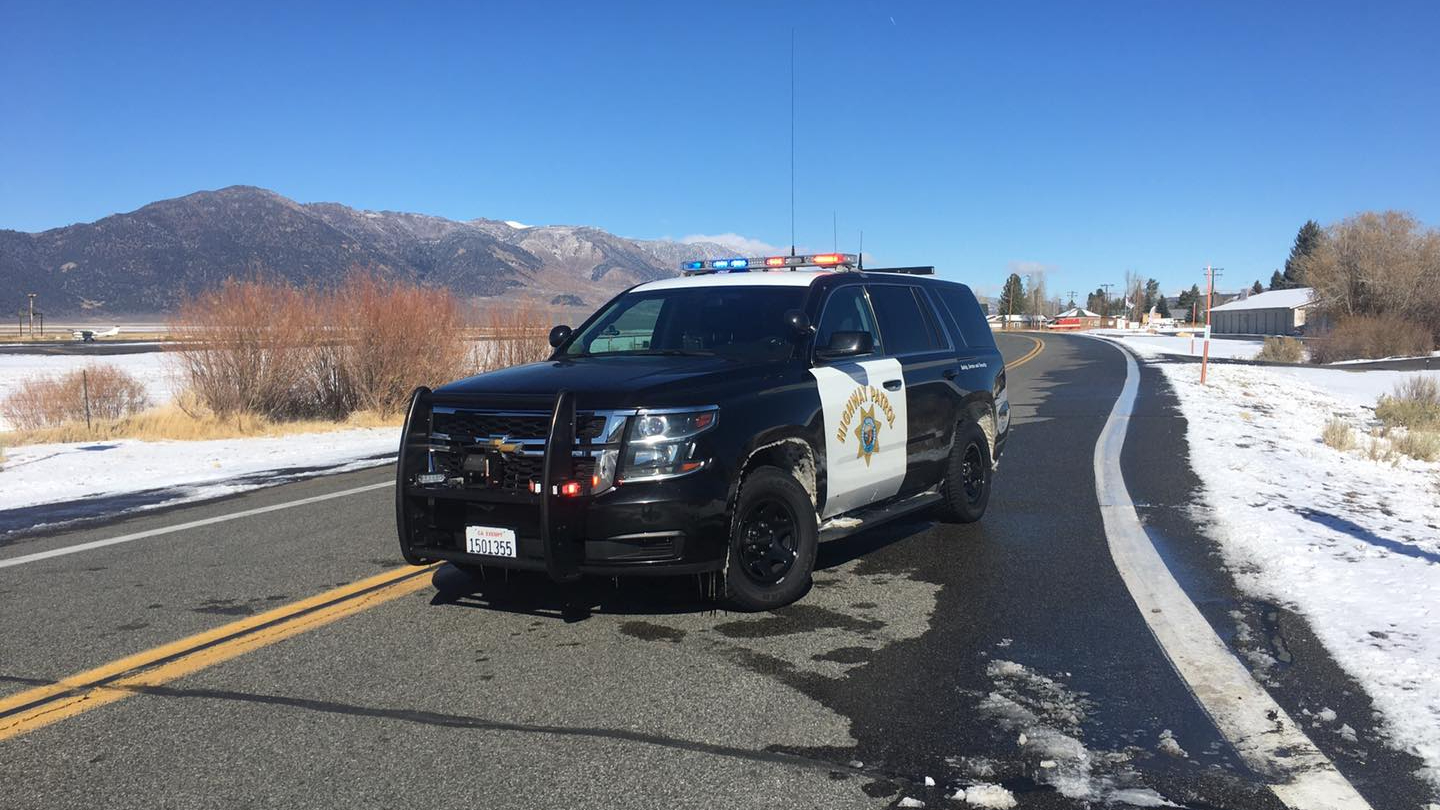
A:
[470,426]
[504,471]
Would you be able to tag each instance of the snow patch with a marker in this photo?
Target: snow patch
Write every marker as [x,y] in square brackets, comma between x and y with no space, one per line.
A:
[1350,543]
[152,369]
[38,475]
[986,795]
[1048,717]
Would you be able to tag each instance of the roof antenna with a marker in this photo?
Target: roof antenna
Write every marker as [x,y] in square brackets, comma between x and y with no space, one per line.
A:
[792,141]
[860,257]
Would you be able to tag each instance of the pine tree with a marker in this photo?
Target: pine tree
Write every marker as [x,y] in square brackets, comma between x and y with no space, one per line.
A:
[1161,307]
[1258,288]
[1012,298]
[1189,301]
[1277,281]
[1152,293]
[1306,241]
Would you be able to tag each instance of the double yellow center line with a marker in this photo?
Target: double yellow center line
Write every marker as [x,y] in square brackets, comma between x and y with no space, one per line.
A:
[1039,347]
[35,708]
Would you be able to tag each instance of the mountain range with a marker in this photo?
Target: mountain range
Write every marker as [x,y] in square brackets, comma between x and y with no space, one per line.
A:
[147,261]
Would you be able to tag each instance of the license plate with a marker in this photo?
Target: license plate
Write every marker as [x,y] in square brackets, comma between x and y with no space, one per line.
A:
[490,541]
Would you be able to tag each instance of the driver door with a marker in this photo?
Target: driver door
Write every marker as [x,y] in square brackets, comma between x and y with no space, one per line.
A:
[863,406]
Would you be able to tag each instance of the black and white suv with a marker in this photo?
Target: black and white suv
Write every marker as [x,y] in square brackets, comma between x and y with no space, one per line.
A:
[716,422]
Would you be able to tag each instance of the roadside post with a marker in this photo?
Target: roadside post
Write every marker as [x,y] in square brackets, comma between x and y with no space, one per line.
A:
[1210,273]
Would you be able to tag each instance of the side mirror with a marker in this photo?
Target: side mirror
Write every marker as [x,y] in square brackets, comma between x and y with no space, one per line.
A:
[847,344]
[798,323]
[559,335]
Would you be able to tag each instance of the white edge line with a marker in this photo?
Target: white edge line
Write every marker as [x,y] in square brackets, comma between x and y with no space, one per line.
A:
[180,527]
[1262,733]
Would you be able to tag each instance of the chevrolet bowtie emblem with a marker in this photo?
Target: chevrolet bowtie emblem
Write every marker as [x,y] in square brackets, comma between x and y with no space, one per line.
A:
[500,444]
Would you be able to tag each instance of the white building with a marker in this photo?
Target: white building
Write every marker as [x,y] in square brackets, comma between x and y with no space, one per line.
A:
[1278,312]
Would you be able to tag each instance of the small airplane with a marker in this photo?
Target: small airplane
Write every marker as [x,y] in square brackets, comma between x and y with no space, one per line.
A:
[89,335]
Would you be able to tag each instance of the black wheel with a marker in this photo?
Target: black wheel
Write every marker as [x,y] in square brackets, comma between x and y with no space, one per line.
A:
[773,536]
[966,488]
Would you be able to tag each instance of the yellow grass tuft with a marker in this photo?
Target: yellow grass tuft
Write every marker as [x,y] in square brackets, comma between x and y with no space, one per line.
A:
[174,423]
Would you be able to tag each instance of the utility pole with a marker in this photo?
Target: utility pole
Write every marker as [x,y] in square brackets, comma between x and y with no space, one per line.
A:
[1210,274]
[1105,301]
[1070,298]
[32,296]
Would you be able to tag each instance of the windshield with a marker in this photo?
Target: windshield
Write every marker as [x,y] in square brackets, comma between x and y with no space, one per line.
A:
[738,322]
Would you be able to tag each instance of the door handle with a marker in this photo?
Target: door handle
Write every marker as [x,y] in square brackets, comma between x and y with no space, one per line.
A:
[952,373]
[892,385]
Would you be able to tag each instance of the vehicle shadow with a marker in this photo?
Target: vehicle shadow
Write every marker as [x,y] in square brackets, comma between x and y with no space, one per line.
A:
[534,594]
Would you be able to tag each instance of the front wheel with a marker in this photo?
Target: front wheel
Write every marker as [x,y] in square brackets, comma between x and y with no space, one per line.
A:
[773,539]
[966,488]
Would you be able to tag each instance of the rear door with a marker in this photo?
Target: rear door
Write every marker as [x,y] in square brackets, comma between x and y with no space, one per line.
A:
[914,336]
[863,406]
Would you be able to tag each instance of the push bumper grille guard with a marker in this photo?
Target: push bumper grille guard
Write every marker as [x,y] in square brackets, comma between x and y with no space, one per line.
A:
[560,515]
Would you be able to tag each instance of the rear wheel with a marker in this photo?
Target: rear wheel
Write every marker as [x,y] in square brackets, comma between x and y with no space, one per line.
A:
[966,488]
[773,538]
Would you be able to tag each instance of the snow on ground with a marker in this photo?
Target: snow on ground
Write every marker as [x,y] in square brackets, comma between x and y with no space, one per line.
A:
[1147,345]
[163,473]
[153,369]
[1047,719]
[1351,543]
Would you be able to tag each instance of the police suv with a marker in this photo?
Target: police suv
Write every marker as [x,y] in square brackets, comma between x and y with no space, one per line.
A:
[722,422]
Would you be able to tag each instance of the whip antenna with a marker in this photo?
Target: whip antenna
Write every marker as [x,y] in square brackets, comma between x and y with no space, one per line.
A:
[792,141]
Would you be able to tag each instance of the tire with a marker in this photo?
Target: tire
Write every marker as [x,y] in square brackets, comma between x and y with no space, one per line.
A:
[965,492]
[773,539]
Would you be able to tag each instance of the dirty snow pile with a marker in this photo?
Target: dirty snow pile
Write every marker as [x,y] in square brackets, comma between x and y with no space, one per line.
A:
[162,473]
[1349,541]
[1046,718]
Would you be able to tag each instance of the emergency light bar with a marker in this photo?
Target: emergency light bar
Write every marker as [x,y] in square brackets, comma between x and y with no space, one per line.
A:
[744,265]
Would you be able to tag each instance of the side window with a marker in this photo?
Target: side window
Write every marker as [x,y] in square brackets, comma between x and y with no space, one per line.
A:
[906,327]
[966,312]
[846,311]
[630,330]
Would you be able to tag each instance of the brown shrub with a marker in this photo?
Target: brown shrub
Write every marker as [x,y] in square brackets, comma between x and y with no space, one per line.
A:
[391,337]
[1370,337]
[94,393]
[515,336]
[248,349]
[267,349]
[1282,350]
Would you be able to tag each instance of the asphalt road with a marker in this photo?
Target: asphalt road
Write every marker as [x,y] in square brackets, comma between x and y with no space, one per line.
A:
[1007,651]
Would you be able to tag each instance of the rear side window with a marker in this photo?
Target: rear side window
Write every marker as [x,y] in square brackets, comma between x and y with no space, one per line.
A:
[965,310]
[906,327]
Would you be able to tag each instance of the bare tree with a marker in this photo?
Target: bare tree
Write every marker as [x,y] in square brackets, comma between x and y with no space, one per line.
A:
[1134,293]
[1378,263]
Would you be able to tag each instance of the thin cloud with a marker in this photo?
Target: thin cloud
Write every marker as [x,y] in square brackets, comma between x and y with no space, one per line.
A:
[734,241]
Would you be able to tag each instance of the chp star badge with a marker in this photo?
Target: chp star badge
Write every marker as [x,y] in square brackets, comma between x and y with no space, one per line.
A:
[867,434]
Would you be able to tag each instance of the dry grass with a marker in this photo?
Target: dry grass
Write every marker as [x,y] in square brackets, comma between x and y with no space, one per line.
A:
[1282,350]
[1415,404]
[1421,445]
[1379,449]
[95,393]
[1339,435]
[176,423]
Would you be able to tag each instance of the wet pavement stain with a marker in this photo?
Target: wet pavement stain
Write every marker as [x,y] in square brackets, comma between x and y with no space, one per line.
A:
[796,619]
[652,632]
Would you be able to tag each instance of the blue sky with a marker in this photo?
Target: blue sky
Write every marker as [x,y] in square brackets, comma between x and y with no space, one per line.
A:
[1089,138]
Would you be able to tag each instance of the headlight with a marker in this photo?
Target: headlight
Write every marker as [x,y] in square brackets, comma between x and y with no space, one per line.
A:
[661,445]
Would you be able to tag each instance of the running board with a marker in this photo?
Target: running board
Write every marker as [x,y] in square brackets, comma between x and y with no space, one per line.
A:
[852,522]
